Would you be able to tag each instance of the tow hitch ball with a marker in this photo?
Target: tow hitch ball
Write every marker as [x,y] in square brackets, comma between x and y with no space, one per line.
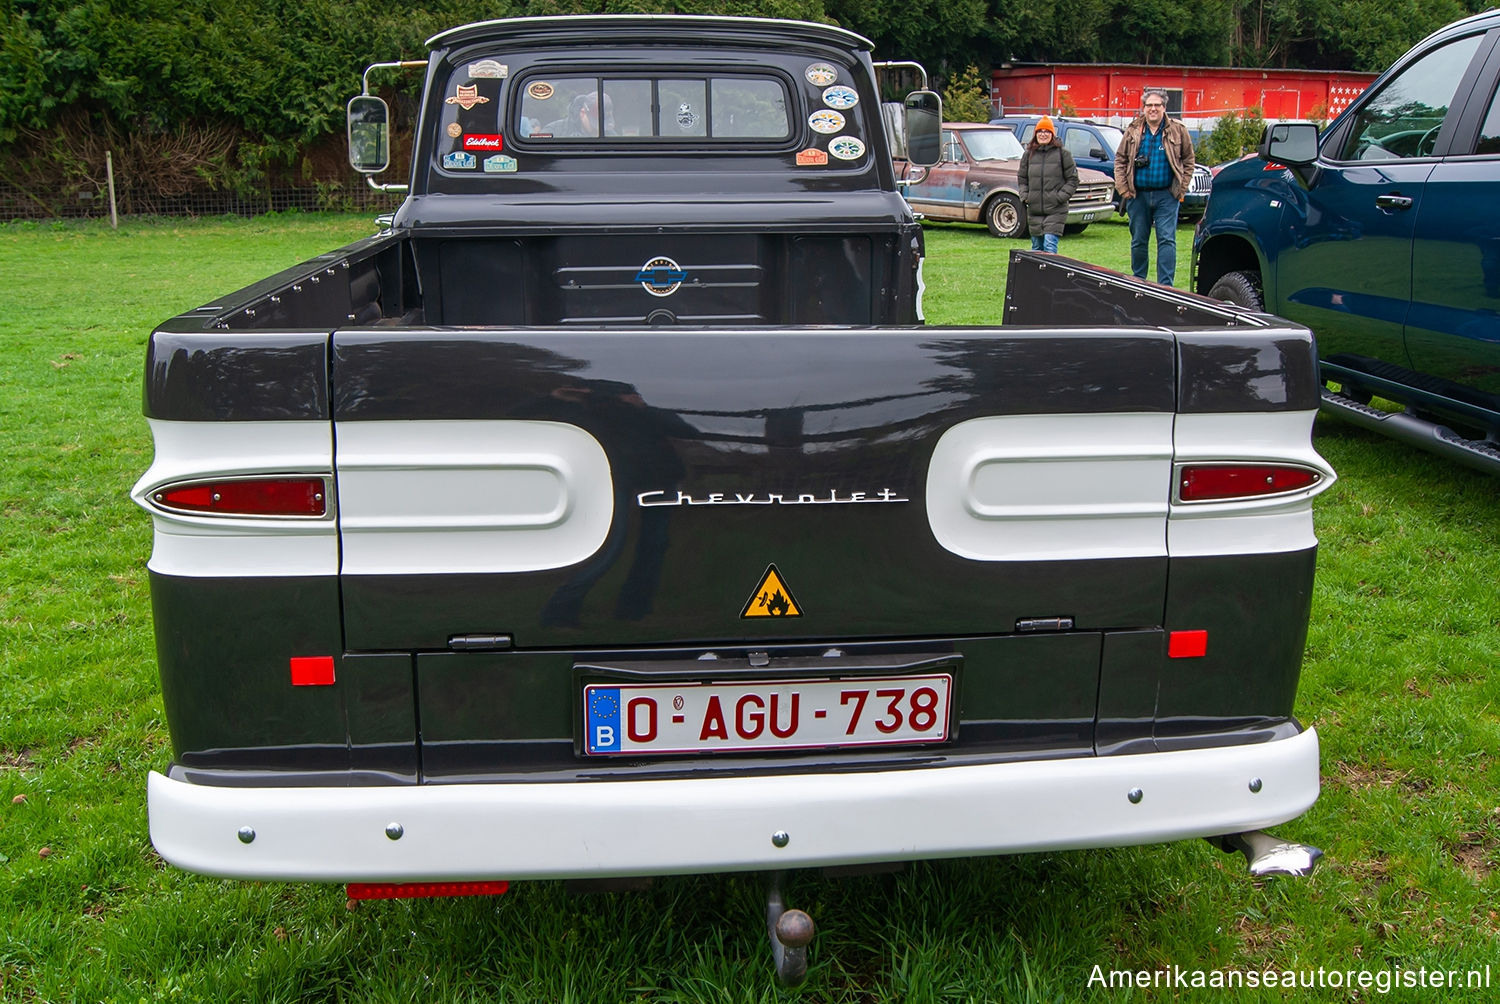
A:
[1268,855]
[790,932]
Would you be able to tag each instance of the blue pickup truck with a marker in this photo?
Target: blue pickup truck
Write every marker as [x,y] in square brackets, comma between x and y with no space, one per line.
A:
[1381,235]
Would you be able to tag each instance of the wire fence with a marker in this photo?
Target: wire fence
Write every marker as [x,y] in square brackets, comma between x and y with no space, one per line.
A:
[78,202]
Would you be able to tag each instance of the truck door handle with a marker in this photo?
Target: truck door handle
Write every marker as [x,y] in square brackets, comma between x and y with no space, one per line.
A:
[1393,201]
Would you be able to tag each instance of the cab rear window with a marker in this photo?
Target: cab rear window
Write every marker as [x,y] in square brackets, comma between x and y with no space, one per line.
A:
[691,108]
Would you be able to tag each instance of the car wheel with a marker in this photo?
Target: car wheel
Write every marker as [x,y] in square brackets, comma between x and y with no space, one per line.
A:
[1075,228]
[1004,217]
[1239,288]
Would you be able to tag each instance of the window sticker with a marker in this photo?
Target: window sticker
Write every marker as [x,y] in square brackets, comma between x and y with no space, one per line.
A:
[812,157]
[468,96]
[458,161]
[847,148]
[821,74]
[484,141]
[455,130]
[490,68]
[686,117]
[826,121]
[540,89]
[499,164]
[840,97]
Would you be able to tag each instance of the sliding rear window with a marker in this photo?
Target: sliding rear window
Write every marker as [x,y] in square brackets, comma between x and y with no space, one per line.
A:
[677,108]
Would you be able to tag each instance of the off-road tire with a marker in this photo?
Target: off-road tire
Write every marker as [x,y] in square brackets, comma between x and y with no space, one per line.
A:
[1239,288]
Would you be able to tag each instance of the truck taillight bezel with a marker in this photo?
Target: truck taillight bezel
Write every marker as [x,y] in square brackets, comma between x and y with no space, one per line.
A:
[303,497]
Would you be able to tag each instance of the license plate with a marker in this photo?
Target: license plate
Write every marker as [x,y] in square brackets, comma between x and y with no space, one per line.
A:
[765,715]
[1087,218]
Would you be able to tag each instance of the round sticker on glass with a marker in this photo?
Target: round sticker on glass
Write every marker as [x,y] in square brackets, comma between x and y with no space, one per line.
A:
[821,74]
[539,89]
[840,97]
[826,121]
[847,148]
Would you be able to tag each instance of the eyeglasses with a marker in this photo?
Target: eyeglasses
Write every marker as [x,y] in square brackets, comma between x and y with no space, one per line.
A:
[1155,104]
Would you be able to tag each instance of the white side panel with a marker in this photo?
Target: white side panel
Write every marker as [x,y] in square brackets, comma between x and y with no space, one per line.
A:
[470,496]
[225,546]
[1052,487]
[1261,526]
[586,829]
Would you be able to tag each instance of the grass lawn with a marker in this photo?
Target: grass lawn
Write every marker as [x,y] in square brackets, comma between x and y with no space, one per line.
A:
[1398,679]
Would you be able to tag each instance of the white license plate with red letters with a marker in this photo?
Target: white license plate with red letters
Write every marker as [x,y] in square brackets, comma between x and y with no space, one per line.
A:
[692,717]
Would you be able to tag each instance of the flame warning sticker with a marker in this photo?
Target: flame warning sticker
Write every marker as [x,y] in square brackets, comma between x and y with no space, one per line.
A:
[771,598]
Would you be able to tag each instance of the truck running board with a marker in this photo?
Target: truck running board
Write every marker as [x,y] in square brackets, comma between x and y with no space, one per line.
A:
[1477,453]
[1268,855]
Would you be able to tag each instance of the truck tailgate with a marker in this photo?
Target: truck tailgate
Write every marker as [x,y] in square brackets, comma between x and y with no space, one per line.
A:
[566,488]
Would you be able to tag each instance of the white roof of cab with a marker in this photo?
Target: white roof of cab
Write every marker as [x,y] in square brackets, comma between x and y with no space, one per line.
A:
[674,23]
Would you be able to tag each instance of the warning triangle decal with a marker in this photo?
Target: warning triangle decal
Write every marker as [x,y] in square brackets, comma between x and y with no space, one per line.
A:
[771,598]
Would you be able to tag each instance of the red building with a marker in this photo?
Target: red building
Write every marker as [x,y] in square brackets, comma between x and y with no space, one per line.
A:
[1198,95]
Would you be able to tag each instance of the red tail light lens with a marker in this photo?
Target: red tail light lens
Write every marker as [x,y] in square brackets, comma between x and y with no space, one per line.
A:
[423,890]
[1220,482]
[248,497]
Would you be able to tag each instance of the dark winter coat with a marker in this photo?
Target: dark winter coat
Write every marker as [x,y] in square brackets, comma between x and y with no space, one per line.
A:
[1047,181]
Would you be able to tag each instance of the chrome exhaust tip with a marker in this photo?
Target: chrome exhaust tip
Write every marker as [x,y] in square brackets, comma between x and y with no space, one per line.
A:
[1268,855]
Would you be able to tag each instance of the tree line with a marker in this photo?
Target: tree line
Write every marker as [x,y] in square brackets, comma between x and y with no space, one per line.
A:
[227,92]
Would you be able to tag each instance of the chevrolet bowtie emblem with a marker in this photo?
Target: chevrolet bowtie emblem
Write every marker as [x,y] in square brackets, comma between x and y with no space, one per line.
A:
[661,276]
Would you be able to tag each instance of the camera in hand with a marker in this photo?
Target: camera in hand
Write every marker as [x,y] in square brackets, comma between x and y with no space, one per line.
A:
[1142,162]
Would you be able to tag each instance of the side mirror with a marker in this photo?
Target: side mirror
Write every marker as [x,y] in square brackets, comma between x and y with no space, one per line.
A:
[1291,143]
[1097,153]
[924,126]
[369,134]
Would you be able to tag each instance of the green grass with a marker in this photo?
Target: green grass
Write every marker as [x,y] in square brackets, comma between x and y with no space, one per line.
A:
[1398,679]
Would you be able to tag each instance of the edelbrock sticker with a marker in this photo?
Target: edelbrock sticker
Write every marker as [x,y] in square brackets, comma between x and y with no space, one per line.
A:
[499,164]
[460,161]
[826,121]
[484,141]
[840,97]
[821,74]
[847,148]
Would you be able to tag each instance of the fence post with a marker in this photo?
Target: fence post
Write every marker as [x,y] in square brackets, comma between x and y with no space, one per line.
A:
[109,169]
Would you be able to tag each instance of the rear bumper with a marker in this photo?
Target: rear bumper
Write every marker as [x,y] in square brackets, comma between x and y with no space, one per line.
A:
[616,828]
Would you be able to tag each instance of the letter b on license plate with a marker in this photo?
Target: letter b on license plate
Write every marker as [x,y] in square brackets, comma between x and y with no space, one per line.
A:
[692,717]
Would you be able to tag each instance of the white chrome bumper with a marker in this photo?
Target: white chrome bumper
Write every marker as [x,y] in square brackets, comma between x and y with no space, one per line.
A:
[613,828]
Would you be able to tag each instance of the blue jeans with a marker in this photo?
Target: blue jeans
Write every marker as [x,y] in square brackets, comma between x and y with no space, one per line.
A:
[1156,208]
[1044,242]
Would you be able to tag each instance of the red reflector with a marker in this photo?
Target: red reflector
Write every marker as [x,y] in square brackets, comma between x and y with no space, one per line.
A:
[423,890]
[248,497]
[312,670]
[1217,482]
[1187,644]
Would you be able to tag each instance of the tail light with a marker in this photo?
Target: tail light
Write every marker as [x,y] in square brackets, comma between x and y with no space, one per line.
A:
[1231,482]
[261,496]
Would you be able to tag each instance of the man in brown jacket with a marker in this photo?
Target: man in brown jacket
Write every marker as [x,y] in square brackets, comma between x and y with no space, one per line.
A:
[1153,171]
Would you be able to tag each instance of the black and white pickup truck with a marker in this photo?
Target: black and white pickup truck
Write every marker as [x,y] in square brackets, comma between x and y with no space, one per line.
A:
[612,514]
